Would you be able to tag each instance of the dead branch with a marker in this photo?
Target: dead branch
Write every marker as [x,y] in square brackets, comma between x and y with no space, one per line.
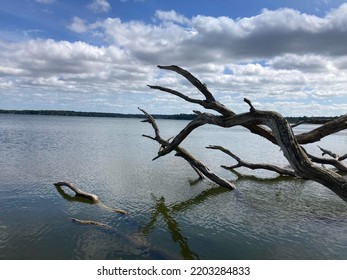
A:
[329,153]
[195,163]
[94,198]
[193,80]
[341,158]
[322,131]
[329,161]
[210,103]
[253,166]
[278,131]
[90,197]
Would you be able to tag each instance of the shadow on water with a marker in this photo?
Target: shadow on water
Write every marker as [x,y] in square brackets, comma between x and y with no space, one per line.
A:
[167,212]
[174,229]
[272,196]
[160,209]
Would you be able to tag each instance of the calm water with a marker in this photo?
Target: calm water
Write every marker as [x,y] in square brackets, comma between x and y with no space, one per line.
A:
[171,215]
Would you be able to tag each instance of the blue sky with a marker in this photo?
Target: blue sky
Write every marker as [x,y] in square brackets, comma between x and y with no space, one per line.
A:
[99,55]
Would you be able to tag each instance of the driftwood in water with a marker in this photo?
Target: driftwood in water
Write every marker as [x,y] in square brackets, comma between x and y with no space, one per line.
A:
[90,197]
[270,125]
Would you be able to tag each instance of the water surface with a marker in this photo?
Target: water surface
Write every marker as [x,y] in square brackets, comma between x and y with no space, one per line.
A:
[171,214]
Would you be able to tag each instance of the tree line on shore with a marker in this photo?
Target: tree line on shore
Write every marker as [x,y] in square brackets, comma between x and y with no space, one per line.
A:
[305,119]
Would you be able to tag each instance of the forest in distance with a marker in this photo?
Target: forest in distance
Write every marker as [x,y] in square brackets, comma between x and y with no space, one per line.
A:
[306,119]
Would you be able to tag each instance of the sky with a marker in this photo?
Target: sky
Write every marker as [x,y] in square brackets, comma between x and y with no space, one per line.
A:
[100,55]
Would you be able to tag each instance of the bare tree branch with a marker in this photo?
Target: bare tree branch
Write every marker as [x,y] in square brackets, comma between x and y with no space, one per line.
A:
[343,157]
[330,153]
[322,131]
[329,161]
[195,163]
[210,103]
[242,163]
[193,80]
[177,93]
[278,131]
[94,198]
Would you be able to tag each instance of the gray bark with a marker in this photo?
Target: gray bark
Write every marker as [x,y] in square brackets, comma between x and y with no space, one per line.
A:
[276,130]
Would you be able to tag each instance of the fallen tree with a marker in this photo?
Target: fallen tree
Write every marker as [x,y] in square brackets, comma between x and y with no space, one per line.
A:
[268,124]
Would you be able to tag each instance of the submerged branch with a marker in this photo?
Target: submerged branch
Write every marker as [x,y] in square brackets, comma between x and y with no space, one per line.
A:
[94,198]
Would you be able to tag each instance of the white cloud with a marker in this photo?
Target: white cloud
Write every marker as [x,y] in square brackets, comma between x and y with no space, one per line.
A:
[99,6]
[304,63]
[276,58]
[209,39]
[78,25]
[171,16]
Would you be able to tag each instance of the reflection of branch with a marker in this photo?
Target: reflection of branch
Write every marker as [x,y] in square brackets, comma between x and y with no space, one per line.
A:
[173,226]
[200,198]
[93,223]
[196,181]
[165,210]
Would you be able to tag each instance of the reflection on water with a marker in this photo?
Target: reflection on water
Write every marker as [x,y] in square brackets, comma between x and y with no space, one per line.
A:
[172,214]
[138,239]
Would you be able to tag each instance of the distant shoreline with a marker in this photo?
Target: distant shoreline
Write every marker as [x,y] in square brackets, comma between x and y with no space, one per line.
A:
[313,120]
[94,114]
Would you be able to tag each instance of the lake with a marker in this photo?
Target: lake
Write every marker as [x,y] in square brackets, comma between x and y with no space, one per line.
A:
[172,215]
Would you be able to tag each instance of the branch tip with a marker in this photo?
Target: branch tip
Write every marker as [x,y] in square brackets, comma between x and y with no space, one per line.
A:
[252,109]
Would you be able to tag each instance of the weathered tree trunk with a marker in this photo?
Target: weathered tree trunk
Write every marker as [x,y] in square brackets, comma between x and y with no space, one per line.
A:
[277,131]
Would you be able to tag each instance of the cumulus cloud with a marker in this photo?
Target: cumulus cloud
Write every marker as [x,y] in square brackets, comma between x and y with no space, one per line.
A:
[203,38]
[276,59]
[99,6]
[78,25]
[304,63]
[171,16]
[274,33]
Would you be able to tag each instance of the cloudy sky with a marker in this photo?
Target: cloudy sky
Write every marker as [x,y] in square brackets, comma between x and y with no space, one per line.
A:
[99,55]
